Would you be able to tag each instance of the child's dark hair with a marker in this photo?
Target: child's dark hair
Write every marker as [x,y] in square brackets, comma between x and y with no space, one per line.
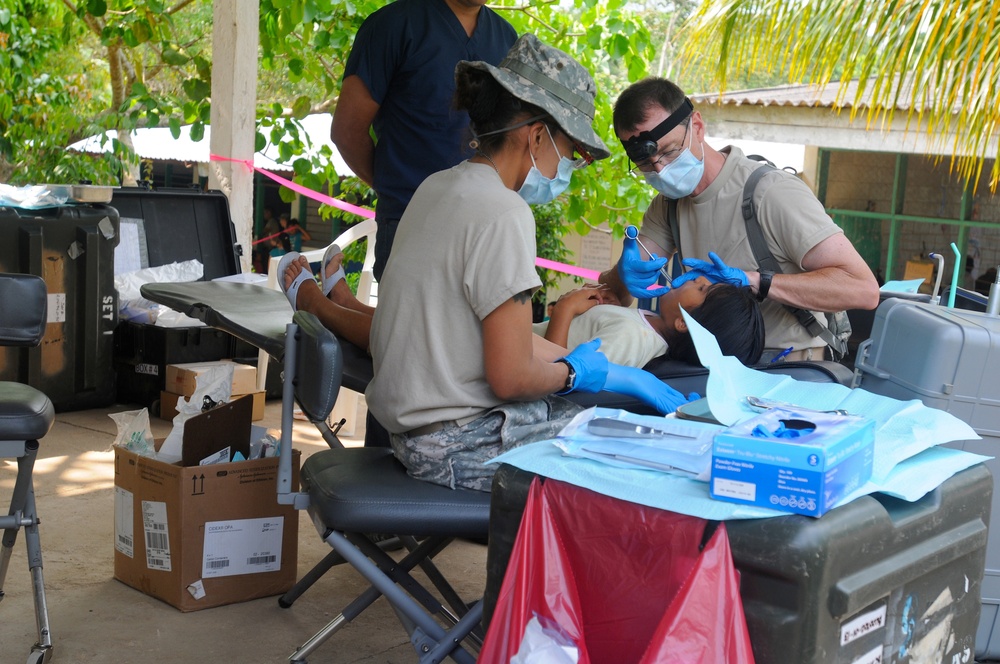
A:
[732,314]
[491,107]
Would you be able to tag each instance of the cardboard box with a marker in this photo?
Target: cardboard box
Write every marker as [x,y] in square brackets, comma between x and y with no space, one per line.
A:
[182,378]
[168,405]
[203,536]
[807,474]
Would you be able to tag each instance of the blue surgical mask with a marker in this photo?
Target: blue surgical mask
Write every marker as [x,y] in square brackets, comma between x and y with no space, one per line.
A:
[680,177]
[538,189]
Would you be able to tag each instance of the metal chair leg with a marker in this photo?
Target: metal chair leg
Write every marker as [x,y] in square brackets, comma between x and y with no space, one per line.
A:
[23,514]
[33,540]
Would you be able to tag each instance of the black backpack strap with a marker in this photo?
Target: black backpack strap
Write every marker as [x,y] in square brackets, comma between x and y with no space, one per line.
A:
[758,244]
[766,260]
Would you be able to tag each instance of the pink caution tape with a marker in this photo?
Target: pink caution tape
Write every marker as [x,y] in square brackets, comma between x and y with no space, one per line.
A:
[369,214]
[297,188]
[583,272]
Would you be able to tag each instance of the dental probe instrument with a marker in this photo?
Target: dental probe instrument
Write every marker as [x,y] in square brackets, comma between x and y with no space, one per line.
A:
[632,233]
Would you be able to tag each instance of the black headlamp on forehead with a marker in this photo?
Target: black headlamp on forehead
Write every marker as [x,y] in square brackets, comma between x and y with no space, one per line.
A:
[642,147]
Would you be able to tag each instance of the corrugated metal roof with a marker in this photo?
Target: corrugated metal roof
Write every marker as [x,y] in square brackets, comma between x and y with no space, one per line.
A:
[807,96]
[157,143]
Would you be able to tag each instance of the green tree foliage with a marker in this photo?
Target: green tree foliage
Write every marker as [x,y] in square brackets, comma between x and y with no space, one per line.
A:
[83,68]
[937,59]
[50,98]
[309,43]
[121,64]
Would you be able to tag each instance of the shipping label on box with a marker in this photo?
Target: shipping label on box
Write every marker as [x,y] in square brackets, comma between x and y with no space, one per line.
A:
[792,461]
[124,535]
[243,546]
[182,379]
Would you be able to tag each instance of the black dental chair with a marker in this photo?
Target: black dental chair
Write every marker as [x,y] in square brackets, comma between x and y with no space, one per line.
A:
[349,492]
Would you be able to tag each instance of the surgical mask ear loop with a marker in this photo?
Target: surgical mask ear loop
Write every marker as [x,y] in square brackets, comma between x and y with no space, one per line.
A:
[555,148]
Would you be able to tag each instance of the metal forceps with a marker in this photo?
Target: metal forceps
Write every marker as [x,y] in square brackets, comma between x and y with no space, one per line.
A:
[632,233]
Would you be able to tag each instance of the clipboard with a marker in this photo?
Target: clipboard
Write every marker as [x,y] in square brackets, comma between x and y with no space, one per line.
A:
[214,430]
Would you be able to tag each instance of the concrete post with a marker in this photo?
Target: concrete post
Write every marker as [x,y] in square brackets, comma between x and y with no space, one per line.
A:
[234,102]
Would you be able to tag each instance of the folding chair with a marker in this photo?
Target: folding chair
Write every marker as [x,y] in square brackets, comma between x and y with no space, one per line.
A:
[25,416]
[352,491]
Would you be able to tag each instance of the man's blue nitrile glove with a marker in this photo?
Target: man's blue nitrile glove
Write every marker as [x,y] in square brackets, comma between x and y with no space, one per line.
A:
[590,365]
[716,272]
[646,387]
[637,274]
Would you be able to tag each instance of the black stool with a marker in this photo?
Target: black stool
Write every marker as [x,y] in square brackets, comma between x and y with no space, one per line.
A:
[25,416]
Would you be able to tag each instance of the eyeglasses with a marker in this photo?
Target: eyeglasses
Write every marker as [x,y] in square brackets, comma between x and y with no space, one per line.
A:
[585,158]
[661,159]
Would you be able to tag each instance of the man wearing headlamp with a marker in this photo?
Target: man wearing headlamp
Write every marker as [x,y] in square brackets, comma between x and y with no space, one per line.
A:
[820,271]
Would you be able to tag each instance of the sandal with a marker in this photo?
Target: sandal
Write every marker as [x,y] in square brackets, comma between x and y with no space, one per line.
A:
[331,281]
[292,293]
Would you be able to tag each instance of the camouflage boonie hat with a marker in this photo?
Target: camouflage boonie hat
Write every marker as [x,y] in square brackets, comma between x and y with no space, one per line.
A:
[548,78]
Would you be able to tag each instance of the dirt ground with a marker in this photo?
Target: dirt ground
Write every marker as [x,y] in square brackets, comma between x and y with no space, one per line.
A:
[96,619]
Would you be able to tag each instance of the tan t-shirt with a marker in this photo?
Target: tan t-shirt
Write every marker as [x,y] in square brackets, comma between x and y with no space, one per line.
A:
[626,337]
[465,245]
[792,219]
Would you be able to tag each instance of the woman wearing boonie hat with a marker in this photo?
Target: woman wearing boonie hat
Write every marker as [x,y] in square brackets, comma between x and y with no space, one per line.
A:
[458,375]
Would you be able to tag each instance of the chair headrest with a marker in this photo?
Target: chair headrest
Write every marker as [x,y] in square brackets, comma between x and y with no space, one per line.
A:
[319,365]
[23,309]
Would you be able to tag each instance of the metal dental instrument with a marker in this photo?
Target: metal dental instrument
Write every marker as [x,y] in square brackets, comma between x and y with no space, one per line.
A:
[632,233]
[606,426]
[764,404]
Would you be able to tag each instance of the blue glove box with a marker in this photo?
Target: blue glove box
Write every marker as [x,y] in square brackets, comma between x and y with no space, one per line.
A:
[829,456]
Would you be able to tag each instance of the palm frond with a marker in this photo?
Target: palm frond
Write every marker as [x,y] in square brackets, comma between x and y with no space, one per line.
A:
[936,60]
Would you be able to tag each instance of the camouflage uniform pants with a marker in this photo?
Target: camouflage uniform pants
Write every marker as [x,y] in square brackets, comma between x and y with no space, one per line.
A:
[456,456]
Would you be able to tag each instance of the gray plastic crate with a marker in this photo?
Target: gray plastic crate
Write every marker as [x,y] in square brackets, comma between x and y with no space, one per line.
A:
[949,359]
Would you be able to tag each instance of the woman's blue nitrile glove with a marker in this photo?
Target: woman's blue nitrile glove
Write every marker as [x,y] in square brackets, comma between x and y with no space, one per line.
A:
[638,275]
[646,387]
[590,365]
[716,272]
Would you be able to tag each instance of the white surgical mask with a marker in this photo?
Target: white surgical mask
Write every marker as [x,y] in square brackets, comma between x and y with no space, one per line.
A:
[538,189]
[680,177]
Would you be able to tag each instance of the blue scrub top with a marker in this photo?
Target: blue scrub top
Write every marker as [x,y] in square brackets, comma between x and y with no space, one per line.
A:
[406,53]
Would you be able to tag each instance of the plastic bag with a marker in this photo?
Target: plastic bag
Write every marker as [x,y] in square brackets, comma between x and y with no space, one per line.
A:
[625,583]
[134,433]
[133,306]
[545,645]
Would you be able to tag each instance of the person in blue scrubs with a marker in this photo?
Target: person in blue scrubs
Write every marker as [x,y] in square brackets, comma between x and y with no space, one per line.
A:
[398,83]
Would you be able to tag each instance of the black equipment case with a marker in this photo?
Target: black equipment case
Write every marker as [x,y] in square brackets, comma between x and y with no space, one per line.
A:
[174,225]
[72,248]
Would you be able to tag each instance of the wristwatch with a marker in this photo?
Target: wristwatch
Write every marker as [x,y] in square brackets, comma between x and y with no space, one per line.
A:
[764,285]
[570,377]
